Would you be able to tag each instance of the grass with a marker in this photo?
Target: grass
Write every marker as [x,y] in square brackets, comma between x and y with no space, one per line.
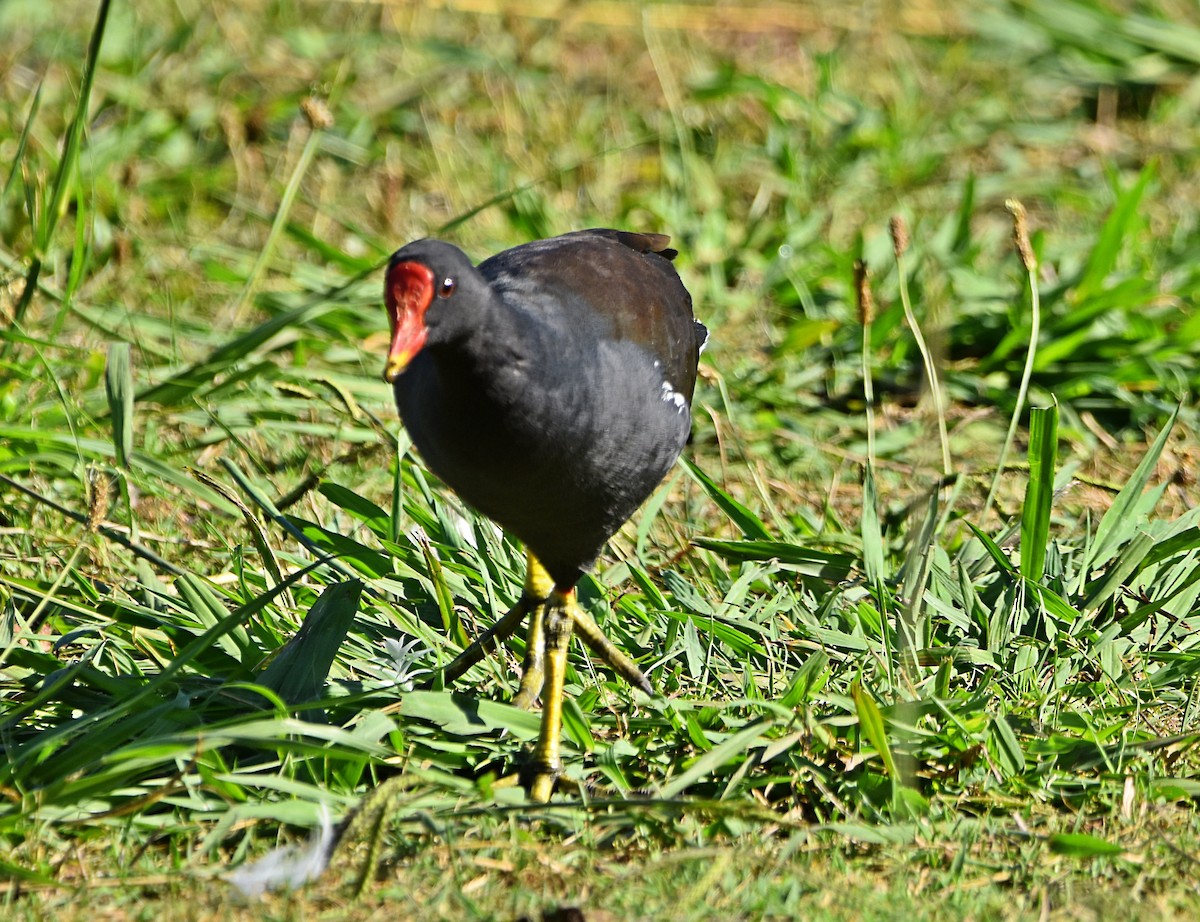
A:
[885,689]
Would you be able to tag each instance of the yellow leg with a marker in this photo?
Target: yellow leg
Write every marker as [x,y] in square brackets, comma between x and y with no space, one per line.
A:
[532,669]
[554,614]
[590,633]
[547,763]
[538,586]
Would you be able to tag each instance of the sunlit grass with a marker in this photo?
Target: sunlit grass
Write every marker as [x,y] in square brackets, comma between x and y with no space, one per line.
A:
[221,563]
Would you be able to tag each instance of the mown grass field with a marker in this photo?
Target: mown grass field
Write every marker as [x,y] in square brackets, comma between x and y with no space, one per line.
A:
[920,604]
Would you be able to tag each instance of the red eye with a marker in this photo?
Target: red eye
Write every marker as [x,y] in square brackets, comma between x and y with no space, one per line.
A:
[446,289]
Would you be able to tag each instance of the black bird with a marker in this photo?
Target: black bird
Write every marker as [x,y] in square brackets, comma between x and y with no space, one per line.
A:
[550,386]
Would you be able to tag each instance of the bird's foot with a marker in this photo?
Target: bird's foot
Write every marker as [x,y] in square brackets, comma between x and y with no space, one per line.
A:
[539,782]
[541,785]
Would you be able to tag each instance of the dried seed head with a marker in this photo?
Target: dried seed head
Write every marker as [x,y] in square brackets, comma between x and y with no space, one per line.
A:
[899,231]
[862,291]
[1021,234]
[99,486]
[316,112]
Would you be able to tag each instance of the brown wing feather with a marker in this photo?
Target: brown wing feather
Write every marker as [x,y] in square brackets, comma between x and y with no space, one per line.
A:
[621,279]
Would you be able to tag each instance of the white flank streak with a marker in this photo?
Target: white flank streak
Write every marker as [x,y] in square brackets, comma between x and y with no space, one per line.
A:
[670,395]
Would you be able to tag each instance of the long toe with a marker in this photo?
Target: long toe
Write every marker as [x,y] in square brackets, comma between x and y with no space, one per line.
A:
[488,641]
[589,632]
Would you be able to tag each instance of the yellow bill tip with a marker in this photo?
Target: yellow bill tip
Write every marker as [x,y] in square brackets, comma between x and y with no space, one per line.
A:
[395,367]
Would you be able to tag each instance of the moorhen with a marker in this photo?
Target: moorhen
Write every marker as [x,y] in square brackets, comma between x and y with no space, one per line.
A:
[550,386]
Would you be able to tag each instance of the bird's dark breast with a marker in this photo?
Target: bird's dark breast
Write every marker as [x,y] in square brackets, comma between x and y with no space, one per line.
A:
[559,470]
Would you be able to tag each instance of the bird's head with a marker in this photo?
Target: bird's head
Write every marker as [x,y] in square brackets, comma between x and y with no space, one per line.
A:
[423,280]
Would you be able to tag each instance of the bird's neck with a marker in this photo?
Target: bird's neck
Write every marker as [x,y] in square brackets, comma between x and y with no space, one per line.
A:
[508,343]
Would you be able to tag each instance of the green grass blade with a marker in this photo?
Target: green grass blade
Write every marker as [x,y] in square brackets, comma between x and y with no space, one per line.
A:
[367,512]
[181,386]
[299,671]
[871,531]
[1005,747]
[23,141]
[823,564]
[1120,522]
[451,622]
[751,525]
[64,180]
[1082,845]
[1124,566]
[1039,492]
[715,758]
[464,715]
[870,720]
[278,223]
[1121,223]
[993,550]
[45,221]
[118,384]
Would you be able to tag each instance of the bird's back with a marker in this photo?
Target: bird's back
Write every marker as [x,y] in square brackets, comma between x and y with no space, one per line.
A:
[615,285]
